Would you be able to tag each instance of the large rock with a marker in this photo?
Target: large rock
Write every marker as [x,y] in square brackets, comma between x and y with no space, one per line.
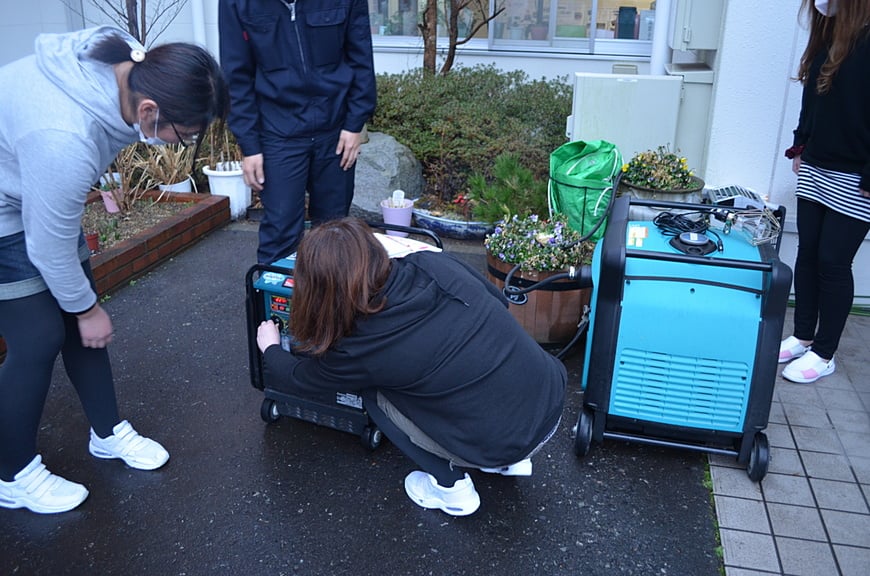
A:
[385,165]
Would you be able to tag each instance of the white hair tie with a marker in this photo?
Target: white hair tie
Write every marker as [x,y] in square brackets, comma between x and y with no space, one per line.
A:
[137,55]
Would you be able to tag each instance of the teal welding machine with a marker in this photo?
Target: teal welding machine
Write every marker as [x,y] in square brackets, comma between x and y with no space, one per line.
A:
[683,338]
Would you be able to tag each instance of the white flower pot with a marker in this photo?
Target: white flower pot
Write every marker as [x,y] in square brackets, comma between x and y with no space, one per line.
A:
[183,186]
[230,183]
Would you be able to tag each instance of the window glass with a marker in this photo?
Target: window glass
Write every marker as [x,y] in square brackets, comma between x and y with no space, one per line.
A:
[569,26]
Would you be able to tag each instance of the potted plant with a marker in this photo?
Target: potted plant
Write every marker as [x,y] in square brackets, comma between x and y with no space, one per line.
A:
[659,174]
[169,166]
[126,182]
[224,169]
[531,249]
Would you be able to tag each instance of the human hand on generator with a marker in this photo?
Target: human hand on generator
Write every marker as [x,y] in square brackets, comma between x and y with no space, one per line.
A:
[267,334]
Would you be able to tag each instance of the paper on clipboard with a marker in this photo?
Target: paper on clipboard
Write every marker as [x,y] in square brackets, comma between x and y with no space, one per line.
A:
[397,247]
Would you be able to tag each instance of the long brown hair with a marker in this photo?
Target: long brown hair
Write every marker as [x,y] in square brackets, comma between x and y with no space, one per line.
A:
[341,270]
[838,34]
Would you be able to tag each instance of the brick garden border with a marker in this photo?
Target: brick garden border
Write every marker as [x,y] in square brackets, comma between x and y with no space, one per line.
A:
[130,259]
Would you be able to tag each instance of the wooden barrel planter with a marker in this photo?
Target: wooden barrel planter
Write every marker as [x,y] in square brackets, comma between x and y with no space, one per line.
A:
[552,313]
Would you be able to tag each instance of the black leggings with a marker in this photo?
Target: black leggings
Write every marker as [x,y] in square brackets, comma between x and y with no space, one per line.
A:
[36,330]
[441,469]
[823,285]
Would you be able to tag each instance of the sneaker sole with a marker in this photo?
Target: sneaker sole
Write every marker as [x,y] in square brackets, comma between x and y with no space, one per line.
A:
[438,504]
[97,453]
[802,380]
[42,509]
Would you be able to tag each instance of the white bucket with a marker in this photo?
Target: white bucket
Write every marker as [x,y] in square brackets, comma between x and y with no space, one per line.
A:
[230,183]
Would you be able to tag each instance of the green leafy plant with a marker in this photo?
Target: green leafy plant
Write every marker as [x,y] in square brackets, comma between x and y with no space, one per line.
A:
[658,169]
[512,190]
[538,244]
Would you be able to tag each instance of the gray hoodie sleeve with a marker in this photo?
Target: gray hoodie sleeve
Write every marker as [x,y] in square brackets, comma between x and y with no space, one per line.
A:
[57,185]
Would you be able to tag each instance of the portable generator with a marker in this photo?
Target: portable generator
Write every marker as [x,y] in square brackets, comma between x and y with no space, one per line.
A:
[683,337]
[269,295]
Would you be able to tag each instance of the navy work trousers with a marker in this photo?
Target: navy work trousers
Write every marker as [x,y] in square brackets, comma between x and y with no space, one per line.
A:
[291,167]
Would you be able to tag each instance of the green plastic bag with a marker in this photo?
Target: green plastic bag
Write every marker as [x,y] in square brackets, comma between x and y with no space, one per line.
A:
[582,176]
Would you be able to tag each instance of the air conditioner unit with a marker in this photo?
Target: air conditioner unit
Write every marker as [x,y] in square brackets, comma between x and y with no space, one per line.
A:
[634,111]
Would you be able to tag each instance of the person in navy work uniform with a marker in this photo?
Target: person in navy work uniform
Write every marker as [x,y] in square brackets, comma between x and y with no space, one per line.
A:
[302,86]
[443,369]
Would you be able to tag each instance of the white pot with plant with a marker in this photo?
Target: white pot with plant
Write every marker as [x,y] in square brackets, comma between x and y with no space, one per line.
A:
[224,170]
[170,166]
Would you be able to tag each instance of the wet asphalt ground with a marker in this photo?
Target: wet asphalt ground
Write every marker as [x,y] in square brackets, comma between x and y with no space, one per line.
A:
[240,496]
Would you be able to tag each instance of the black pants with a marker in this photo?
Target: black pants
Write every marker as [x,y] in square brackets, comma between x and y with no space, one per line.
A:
[823,283]
[291,167]
[440,468]
[36,330]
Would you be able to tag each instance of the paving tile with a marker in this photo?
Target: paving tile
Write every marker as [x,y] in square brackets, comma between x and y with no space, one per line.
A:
[806,415]
[839,399]
[861,468]
[785,461]
[855,444]
[851,420]
[802,558]
[749,550]
[777,415]
[853,561]
[865,399]
[724,461]
[799,394]
[779,435]
[732,571]
[742,514]
[844,496]
[785,489]
[734,482]
[847,528]
[817,439]
[828,466]
[796,522]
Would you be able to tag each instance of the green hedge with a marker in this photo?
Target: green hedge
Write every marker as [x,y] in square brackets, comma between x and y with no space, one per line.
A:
[458,124]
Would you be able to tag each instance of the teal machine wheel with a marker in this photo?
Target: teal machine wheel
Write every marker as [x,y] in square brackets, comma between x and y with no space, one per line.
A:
[683,340]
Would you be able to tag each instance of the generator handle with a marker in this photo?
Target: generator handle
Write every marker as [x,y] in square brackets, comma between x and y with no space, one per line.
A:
[705,261]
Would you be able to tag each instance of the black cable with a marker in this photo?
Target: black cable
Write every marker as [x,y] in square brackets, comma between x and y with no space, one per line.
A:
[672,224]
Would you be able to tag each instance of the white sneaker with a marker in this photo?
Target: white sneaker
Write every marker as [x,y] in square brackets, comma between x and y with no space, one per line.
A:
[137,451]
[38,490]
[521,468]
[460,500]
[791,348]
[808,368]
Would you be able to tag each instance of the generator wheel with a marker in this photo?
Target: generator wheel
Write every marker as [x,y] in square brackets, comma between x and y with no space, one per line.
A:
[269,411]
[759,458]
[371,437]
[583,436]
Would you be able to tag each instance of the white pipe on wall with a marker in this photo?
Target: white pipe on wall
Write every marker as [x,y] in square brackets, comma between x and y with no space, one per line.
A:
[198,17]
[661,53]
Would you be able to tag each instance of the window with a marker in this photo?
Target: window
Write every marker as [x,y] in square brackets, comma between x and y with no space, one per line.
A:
[619,27]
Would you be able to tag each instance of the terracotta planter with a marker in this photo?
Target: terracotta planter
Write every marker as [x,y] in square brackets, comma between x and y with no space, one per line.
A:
[552,313]
[93,240]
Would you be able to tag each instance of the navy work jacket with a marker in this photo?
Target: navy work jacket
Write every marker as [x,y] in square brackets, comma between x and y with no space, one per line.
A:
[296,68]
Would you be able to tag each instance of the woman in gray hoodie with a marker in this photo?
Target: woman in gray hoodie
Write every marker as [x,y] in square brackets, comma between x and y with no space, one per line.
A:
[89,94]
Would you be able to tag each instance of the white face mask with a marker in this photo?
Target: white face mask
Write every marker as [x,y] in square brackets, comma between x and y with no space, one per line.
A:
[826,7]
[153,140]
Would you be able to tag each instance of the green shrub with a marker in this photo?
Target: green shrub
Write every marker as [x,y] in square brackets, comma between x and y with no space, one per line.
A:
[459,123]
[512,190]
